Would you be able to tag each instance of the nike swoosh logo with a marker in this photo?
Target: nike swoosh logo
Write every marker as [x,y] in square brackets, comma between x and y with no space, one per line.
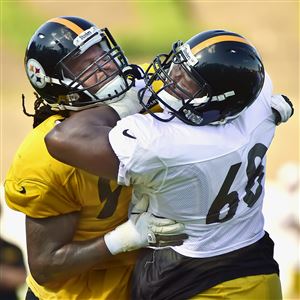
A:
[22,190]
[125,132]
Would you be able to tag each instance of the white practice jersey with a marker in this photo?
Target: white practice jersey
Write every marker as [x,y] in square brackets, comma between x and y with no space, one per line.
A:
[211,177]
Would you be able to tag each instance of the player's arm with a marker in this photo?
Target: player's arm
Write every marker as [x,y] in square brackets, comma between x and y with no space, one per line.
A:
[282,108]
[53,255]
[82,141]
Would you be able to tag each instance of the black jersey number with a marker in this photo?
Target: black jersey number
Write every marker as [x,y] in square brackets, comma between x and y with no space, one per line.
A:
[111,197]
[230,200]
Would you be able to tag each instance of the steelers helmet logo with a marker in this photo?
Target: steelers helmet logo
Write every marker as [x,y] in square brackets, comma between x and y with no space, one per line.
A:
[36,73]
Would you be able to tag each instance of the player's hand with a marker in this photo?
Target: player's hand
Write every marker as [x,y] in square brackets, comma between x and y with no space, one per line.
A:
[143,229]
[282,108]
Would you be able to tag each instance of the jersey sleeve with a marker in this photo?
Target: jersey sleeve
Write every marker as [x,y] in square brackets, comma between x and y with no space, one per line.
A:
[37,199]
[37,184]
[259,111]
[132,145]
[267,90]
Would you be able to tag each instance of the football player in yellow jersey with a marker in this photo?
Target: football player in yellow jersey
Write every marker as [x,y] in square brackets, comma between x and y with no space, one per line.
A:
[73,65]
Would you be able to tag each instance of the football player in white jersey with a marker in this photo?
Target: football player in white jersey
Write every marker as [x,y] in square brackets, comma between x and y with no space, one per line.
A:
[202,161]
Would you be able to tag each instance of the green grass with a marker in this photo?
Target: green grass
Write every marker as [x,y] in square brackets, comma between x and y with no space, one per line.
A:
[162,23]
[18,23]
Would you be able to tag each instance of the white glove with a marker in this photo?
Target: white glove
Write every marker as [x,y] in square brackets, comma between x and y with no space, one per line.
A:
[142,230]
[282,107]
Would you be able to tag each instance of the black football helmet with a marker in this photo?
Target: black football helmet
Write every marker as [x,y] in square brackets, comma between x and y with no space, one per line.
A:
[223,75]
[61,41]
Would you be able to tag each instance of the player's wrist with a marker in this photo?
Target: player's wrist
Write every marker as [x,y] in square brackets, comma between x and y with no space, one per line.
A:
[122,239]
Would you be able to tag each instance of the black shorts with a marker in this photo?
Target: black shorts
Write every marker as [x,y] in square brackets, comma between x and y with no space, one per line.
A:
[166,274]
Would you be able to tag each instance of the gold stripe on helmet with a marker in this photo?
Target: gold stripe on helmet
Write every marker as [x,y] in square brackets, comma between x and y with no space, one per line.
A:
[75,28]
[218,39]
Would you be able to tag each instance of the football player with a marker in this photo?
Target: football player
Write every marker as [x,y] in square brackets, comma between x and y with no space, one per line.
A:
[73,65]
[202,161]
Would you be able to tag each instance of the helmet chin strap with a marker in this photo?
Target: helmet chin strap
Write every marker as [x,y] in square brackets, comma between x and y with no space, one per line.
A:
[175,103]
[111,88]
[168,100]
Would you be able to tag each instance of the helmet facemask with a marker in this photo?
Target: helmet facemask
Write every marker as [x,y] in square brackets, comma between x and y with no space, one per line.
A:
[74,65]
[92,73]
[183,90]
[216,75]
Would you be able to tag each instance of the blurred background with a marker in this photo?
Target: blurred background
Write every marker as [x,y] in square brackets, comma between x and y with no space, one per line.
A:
[144,29]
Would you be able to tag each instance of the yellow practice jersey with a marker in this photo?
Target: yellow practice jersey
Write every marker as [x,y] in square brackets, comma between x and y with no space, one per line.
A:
[41,187]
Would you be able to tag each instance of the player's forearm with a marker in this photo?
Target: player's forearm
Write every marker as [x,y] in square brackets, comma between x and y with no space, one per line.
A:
[70,260]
